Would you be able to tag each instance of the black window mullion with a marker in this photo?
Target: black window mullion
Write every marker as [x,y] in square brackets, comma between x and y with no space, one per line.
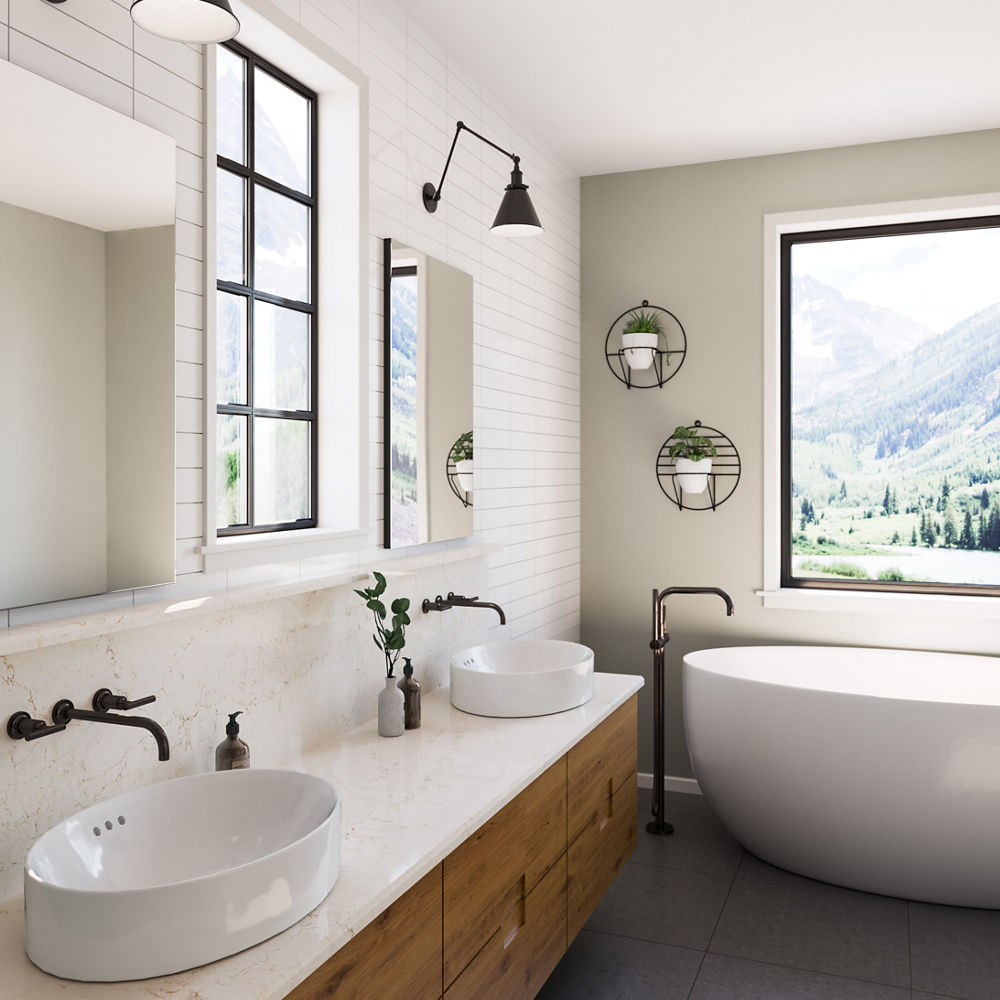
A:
[252,179]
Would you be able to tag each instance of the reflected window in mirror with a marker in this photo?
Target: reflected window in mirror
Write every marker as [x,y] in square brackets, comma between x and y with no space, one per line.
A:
[428,332]
[266,318]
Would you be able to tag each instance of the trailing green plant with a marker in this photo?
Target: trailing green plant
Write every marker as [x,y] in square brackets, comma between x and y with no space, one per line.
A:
[688,443]
[641,321]
[390,640]
[461,450]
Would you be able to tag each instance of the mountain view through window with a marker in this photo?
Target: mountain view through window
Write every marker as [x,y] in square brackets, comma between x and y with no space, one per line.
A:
[891,418]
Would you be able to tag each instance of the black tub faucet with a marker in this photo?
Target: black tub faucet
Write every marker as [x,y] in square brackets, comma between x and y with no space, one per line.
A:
[657,645]
[459,601]
[64,712]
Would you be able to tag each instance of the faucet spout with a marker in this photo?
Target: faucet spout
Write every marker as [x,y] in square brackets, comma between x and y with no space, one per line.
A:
[64,712]
[454,600]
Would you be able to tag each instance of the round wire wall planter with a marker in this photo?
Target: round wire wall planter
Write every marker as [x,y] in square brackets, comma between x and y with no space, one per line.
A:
[668,356]
[451,471]
[721,482]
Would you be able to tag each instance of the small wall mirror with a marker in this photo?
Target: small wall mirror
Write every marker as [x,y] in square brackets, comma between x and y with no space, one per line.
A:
[87,209]
[429,484]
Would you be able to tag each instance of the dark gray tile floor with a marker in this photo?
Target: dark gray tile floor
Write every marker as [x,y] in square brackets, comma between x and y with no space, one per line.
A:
[695,917]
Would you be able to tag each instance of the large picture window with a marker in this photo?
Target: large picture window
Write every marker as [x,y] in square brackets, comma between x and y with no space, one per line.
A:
[890,407]
[266,297]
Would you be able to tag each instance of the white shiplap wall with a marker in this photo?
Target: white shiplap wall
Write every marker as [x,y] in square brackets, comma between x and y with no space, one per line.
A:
[527,293]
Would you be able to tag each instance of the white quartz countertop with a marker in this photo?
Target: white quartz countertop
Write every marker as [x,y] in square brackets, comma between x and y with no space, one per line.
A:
[407,803]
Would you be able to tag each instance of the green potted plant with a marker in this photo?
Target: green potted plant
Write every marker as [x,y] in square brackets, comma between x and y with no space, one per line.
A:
[640,338]
[692,454]
[461,455]
[391,641]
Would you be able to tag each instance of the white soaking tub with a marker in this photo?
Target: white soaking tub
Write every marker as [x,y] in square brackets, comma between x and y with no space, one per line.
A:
[877,769]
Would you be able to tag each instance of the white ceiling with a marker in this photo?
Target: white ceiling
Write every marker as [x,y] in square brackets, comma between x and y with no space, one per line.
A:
[613,85]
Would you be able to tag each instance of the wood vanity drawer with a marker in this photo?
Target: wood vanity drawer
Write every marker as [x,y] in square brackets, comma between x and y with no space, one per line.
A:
[598,765]
[499,866]
[521,954]
[599,853]
[396,957]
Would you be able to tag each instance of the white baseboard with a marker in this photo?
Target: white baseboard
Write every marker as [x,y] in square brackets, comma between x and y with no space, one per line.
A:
[689,786]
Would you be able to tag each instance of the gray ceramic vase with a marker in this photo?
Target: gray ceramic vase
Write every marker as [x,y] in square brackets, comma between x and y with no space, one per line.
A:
[390,709]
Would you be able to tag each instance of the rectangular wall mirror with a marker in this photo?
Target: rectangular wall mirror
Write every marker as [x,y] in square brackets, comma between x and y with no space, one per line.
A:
[87,210]
[427,333]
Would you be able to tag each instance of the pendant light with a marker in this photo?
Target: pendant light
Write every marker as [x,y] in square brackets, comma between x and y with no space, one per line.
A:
[516,216]
[197,21]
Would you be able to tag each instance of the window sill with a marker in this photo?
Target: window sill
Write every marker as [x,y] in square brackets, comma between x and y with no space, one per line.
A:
[925,605]
[244,551]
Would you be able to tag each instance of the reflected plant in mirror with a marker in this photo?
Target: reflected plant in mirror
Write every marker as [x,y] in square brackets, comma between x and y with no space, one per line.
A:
[428,395]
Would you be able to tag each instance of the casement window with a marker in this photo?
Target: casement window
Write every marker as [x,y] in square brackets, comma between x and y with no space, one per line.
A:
[266,297]
[888,435]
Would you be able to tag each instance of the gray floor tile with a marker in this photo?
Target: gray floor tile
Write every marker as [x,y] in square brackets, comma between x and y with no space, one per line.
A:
[916,995]
[699,843]
[817,927]
[725,978]
[607,967]
[752,869]
[663,905]
[955,951]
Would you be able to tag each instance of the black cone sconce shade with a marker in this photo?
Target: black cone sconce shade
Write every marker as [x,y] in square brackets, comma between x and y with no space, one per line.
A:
[516,216]
[196,21]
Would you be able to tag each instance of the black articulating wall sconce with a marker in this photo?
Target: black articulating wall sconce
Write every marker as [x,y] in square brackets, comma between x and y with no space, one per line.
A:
[198,21]
[516,216]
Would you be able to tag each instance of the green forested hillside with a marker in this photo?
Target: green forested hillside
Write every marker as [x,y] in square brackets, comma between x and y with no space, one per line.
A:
[908,455]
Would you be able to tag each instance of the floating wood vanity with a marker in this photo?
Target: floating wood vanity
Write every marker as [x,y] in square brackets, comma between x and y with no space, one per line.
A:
[472,852]
[494,918]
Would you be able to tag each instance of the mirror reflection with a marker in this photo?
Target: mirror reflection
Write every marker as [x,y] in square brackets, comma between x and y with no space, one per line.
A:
[429,485]
[87,250]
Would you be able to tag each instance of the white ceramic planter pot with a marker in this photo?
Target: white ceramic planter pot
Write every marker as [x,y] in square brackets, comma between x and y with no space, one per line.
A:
[639,348]
[463,470]
[692,476]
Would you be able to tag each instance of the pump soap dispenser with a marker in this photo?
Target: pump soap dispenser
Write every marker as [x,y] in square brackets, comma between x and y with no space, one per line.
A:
[232,753]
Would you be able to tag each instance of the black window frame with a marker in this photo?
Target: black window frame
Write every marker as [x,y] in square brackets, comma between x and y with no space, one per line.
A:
[251,179]
[787,241]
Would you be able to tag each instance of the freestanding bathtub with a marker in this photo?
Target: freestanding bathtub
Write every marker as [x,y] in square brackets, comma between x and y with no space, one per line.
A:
[876,769]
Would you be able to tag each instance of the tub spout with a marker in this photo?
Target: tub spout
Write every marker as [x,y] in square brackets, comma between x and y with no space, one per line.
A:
[658,645]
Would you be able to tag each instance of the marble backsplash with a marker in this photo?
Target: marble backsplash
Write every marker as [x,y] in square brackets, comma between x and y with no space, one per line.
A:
[302,668]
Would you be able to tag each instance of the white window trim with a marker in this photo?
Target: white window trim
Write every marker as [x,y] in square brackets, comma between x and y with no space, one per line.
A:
[773,595]
[342,94]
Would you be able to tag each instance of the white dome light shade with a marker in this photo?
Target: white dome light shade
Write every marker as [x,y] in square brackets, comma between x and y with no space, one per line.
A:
[197,21]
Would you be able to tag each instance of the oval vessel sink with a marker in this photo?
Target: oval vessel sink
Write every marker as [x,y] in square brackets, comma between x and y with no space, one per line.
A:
[181,873]
[522,677]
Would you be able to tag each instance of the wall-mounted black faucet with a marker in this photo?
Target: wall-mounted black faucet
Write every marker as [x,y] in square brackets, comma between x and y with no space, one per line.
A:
[64,712]
[459,601]
[657,645]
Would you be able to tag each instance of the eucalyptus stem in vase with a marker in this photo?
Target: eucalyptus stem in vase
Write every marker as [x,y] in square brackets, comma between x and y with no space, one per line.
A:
[389,640]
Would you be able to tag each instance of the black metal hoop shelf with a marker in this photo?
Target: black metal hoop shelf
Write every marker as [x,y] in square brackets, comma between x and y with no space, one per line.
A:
[670,356]
[722,480]
[451,471]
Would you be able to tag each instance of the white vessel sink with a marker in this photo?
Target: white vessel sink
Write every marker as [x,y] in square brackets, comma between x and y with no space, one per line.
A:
[178,874]
[522,677]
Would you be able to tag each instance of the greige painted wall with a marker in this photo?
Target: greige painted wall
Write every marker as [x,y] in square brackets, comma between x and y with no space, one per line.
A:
[690,239]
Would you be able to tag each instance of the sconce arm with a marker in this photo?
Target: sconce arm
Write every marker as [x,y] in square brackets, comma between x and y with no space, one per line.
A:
[432,195]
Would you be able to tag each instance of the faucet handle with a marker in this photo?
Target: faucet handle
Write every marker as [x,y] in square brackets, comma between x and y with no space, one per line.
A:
[104,701]
[460,597]
[21,726]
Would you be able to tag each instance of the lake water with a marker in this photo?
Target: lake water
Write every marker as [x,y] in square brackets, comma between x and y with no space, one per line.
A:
[933,565]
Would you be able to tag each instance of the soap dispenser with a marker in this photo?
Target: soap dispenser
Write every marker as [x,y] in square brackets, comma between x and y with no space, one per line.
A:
[411,696]
[232,753]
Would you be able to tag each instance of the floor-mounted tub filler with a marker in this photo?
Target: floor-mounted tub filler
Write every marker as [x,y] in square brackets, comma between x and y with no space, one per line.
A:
[876,769]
